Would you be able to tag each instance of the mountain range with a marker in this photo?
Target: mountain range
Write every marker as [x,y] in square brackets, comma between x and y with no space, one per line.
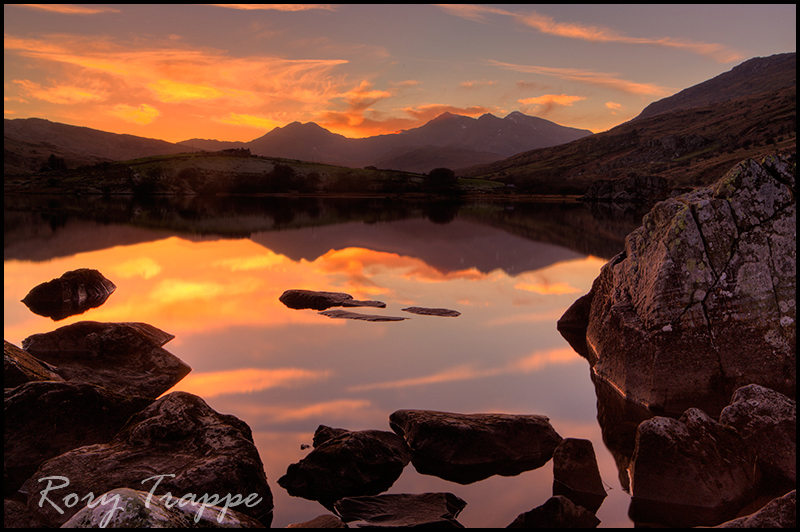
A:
[446,141]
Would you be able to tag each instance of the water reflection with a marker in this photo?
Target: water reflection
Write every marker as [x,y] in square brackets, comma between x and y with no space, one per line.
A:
[211,274]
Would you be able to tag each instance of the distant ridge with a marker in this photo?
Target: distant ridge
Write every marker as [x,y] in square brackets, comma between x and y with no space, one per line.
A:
[757,75]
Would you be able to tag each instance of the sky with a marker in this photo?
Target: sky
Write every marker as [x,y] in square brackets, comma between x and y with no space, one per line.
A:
[236,71]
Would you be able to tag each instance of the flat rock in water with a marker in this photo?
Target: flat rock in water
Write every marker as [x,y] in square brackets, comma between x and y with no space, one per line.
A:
[394,510]
[75,292]
[433,311]
[556,512]
[347,315]
[465,448]
[310,299]
[124,357]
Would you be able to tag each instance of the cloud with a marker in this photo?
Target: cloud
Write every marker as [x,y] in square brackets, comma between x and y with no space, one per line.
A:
[571,30]
[248,380]
[68,9]
[277,7]
[548,102]
[475,84]
[600,79]
[143,114]
[61,94]
[614,106]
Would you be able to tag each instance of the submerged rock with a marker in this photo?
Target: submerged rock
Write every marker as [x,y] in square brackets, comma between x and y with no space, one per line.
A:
[433,311]
[177,445]
[130,508]
[402,510]
[347,464]
[702,300]
[576,475]
[347,315]
[124,357]
[689,472]
[75,292]
[465,448]
[309,299]
[556,512]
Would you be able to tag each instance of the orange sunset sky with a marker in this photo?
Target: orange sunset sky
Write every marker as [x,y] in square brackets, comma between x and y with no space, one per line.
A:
[236,71]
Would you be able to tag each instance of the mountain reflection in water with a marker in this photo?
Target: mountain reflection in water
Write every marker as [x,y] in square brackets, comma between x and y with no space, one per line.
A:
[211,274]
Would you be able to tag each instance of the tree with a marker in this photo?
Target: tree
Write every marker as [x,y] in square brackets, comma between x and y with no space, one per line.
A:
[441,180]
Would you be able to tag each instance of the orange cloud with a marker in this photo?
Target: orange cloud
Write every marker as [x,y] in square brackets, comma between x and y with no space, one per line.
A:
[549,26]
[68,9]
[276,7]
[144,114]
[546,103]
[61,94]
[247,380]
[589,77]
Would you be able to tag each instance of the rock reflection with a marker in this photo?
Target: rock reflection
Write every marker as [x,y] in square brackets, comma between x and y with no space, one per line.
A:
[73,293]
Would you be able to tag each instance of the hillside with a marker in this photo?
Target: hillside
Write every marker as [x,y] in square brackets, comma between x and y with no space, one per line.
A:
[687,146]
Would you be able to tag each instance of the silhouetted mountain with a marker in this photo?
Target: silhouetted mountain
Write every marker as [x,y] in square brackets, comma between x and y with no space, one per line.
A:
[680,138]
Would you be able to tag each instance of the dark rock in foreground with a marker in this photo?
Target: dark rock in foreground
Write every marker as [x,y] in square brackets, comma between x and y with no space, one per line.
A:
[465,448]
[309,299]
[433,311]
[124,357]
[556,512]
[576,475]
[347,464]
[402,510]
[20,367]
[778,513]
[73,293]
[43,419]
[767,420]
[347,315]
[689,472]
[129,508]
[322,521]
[702,300]
[180,435]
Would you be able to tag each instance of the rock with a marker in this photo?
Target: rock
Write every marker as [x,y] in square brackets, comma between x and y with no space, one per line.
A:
[767,420]
[402,510]
[43,419]
[20,367]
[465,448]
[177,445]
[576,475]
[75,292]
[129,508]
[433,311]
[323,521]
[353,463]
[124,357]
[347,315]
[702,300]
[689,472]
[778,513]
[309,299]
[325,433]
[556,512]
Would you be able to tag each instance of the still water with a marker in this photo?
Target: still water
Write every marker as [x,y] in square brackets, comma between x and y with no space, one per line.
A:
[212,275]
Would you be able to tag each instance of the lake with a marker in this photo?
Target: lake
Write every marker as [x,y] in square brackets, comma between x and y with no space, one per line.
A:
[211,272]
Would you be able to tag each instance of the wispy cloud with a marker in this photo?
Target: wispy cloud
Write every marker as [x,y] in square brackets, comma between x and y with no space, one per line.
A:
[547,102]
[249,380]
[592,33]
[589,77]
[68,9]
[277,7]
[62,94]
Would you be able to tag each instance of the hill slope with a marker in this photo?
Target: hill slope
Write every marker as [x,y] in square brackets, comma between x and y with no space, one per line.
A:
[687,145]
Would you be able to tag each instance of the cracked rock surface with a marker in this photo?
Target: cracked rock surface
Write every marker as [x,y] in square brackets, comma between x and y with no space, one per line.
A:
[702,300]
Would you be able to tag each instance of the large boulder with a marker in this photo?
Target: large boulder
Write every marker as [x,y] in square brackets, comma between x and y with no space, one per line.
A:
[778,513]
[393,510]
[20,367]
[465,448]
[73,293]
[124,357]
[702,300]
[689,472]
[42,419]
[347,464]
[129,508]
[178,445]
[767,420]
